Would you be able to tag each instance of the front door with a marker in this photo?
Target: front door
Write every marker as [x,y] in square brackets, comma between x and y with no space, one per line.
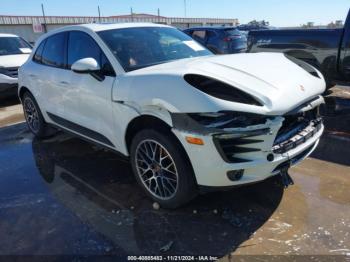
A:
[90,93]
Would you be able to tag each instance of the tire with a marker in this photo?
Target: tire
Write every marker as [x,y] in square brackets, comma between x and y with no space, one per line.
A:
[34,118]
[173,175]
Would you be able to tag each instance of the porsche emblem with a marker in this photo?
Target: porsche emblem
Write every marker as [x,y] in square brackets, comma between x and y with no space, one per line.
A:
[302,88]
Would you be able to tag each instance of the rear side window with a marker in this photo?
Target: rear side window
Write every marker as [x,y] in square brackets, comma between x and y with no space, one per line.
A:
[81,45]
[53,54]
[211,34]
[39,52]
[232,32]
[199,34]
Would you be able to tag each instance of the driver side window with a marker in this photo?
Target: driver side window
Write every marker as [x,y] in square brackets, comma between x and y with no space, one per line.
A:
[81,45]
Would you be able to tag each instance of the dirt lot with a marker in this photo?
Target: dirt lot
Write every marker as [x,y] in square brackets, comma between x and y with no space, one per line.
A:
[65,196]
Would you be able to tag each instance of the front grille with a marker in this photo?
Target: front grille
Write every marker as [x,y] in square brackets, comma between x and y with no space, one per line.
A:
[230,147]
[297,129]
[292,124]
[294,160]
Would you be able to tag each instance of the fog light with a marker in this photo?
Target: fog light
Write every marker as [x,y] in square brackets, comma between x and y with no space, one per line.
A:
[235,175]
[270,157]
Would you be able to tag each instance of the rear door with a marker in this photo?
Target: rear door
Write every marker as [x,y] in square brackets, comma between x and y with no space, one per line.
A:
[52,73]
[91,96]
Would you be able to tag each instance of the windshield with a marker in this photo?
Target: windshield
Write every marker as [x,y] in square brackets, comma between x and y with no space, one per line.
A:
[140,47]
[14,46]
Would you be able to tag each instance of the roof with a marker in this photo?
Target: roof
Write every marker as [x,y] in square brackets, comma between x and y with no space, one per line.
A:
[101,27]
[8,35]
[96,27]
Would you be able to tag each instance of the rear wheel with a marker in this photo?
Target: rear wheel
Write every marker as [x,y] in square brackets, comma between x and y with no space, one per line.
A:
[162,168]
[33,116]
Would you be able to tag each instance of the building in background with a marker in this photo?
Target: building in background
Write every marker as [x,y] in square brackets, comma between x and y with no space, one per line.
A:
[32,27]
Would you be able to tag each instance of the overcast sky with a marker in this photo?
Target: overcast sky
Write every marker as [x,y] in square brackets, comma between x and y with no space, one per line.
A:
[277,12]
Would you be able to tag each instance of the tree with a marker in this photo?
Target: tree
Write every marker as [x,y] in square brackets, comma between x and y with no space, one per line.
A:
[259,23]
[308,25]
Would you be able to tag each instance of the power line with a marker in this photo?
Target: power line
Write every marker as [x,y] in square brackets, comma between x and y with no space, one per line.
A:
[43,11]
[132,14]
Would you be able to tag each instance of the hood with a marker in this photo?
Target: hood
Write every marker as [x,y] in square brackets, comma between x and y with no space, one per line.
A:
[13,60]
[276,82]
[273,79]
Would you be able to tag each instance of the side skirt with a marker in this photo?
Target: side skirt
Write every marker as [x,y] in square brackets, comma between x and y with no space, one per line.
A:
[83,133]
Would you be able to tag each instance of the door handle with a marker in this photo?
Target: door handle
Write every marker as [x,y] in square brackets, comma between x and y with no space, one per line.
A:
[33,76]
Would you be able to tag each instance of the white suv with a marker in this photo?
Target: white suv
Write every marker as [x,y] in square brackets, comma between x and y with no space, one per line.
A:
[14,51]
[188,119]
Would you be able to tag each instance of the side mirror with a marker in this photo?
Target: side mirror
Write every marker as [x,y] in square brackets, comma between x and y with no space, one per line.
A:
[86,66]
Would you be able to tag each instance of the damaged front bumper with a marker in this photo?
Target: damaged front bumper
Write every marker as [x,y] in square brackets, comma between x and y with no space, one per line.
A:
[236,156]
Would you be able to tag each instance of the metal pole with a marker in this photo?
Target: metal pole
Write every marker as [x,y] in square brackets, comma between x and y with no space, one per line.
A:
[185,7]
[99,14]
[132,14]
[158,15]
[43,11]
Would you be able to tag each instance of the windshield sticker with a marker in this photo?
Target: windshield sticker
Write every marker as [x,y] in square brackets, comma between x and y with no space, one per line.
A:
[194,45]
[25,50]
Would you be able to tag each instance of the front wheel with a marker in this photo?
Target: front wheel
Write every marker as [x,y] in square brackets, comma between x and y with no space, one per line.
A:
[162,168]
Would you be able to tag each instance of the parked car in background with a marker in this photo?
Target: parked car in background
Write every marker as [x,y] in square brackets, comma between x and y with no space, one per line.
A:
[219,40]
[326,49]
[246,28]
[186,118]
[14,51]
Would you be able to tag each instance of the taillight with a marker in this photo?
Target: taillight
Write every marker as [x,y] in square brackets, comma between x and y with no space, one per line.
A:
[227,39]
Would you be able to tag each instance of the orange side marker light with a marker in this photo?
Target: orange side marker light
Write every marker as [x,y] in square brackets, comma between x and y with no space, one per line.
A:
[194,140]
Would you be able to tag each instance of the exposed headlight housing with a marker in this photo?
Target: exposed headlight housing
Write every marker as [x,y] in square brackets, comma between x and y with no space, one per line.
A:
[228,119]
[206,123]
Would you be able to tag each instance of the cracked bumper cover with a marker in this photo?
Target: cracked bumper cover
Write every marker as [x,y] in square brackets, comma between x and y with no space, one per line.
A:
[253,152]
